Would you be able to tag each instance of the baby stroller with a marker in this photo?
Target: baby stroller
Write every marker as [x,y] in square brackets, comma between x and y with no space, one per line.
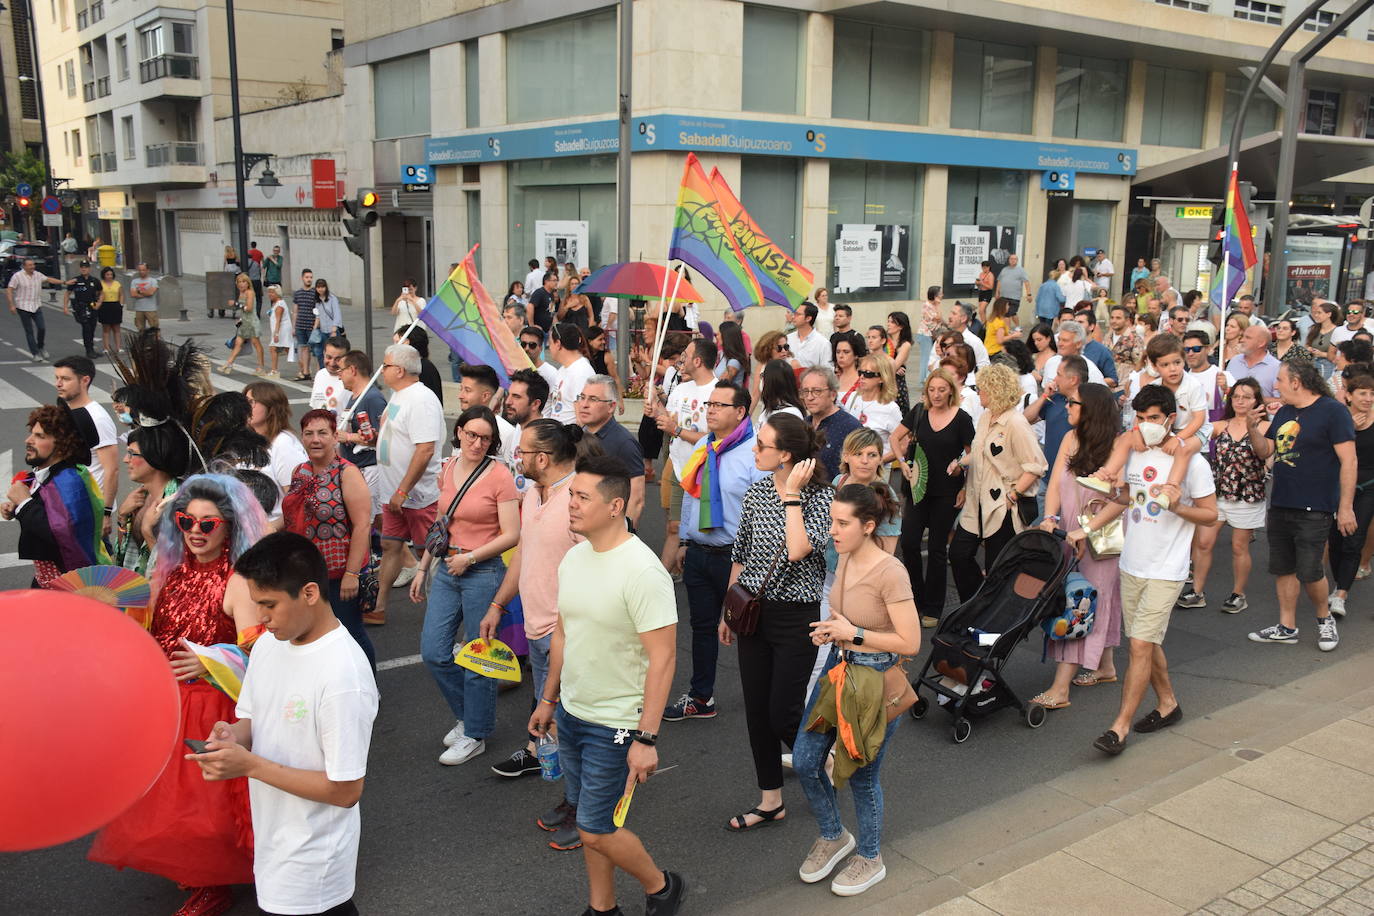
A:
[972,643]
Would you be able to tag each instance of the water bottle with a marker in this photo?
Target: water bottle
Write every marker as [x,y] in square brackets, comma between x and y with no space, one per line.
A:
[547,752]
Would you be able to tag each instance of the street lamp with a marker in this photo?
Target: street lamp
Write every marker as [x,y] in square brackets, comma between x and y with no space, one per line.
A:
[268,182]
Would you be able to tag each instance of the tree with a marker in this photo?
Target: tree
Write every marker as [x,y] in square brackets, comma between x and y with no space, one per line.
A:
[21,168]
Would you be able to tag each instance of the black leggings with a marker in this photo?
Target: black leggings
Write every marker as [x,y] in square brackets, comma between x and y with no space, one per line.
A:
[1345,551]
[774,666]
[933,517]
[963,556]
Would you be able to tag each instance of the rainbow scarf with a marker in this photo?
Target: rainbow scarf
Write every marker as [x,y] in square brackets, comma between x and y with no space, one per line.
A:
[702,474]
[74,510]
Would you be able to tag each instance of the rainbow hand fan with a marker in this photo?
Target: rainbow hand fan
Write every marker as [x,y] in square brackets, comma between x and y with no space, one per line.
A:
[113,585]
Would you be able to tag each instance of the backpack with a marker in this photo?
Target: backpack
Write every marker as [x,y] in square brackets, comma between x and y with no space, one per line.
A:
[1080,610]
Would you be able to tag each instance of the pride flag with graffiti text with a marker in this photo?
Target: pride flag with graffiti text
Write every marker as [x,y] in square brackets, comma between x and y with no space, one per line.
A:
[783,280]
[700,240]
[466,319]
[1237,248]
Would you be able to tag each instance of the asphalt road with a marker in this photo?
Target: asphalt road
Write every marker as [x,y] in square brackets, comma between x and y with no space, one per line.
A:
[460,839]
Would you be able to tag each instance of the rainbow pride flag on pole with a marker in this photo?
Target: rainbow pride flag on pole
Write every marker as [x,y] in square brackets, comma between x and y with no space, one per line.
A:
[701,240]
[783,280]
[1238,248]
[463,315]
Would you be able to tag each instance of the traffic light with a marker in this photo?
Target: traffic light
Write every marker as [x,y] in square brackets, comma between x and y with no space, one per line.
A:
[23,202]
[1216,232]
[362,216]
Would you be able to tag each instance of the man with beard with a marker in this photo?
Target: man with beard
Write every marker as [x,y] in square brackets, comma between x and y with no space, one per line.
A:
[595,408]
[524,402]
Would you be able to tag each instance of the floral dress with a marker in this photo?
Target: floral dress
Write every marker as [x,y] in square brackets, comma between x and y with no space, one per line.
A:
[1239,471]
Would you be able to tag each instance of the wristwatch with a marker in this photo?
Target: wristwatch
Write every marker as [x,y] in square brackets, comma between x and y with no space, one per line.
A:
[858,639]
[643,737]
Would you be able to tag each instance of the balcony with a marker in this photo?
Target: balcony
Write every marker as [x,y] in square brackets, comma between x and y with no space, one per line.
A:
[91,15]
[177,153]
[103,162]
[95,89]
[177,66]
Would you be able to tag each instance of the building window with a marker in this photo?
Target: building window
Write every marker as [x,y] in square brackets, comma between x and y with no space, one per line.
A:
[994,201]
[66,144]
[127,127]
[1261,116]
[1323,105]
[1194,5]
[562,69]
[1175,101]
[772,68]
[1089,97]
[76,145]
[770,189]
[400,95]
[336,39]
[1258,11]
[62,14]
[886,197]
[71,79]
[563,188]
[994,85]
[880,73]
[472,85]
[122,57]
[1318,21]
[1369,120]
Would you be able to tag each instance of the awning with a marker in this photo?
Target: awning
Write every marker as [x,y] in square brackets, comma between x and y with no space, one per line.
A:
[1320,160]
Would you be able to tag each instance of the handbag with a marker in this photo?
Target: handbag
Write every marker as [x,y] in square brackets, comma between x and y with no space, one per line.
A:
[1079,614]
[1106,541]
[316,337]
[436,538]
[742,607]
[1027,510]
[898,694]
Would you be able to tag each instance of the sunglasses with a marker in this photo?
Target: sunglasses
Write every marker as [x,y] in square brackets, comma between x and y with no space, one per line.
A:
[867,373]
[189,523]
[783,346]
[530,344]
[1193,349]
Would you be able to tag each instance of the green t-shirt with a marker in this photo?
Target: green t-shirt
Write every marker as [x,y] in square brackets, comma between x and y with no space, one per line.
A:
[606,600]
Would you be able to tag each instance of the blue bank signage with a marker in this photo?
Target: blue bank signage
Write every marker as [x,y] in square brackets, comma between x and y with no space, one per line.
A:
[777,138]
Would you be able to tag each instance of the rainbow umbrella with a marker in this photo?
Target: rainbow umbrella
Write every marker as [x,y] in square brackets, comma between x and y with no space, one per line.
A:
[112,585]
[636,280]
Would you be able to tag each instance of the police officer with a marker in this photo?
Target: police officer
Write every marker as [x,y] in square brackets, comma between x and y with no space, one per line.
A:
[85,288]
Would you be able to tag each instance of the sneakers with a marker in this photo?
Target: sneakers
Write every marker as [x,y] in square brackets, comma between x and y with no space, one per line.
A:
[929,623]
[1278,633]
[556,816]
[668,901]
[1362,573]
[404,576]
[1327,637]
[454,734]
[858,875]
[463,750]
[1234,604]
[45,354]
[1190,599]
[787,761]
[517,764]
[566,838]
[1336,605]
[688,707]
[824,856]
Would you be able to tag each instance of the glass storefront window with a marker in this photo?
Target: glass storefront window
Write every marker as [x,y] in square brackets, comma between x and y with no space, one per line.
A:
[1175,102]
[1089,97]
[994,85]
[880,73]
[772,66]
[880,195]
[562,69]
[472,96]
[1260,117]
[992,199]
[770,189]
[575,188]
[400,96]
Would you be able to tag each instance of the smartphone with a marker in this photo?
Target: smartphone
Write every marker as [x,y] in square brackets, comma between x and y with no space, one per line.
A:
[197,747]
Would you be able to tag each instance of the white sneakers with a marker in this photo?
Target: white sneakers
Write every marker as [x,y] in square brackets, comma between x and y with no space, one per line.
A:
[454,734]
[463,750]
[1336,604]
[404,576]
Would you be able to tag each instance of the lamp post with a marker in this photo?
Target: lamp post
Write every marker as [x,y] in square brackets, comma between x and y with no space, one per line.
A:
[244,163]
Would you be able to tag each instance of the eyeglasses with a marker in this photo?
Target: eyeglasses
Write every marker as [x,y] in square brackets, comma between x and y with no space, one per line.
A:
[581,398]
[133,454]
[760,447]
[722,405]
[206,525]
[1071,402]
[390,366]
[521,452]
[530,344]
[867,373]
[815,392]
[472,438]
[1193,349]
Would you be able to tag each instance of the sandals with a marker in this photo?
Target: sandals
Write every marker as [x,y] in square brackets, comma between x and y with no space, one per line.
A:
[1088,679]
[301,378]
[1109,742]
[1045,700]
[738,823]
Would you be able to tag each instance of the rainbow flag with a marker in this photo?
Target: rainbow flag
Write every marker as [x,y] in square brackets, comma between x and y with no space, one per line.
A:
[700,240]
[464,317]
[1238,248]
[224,666]
[783,280]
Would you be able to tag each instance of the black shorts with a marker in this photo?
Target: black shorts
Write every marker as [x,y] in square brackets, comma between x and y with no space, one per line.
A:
[111,313]
[984,295]
[1297,539]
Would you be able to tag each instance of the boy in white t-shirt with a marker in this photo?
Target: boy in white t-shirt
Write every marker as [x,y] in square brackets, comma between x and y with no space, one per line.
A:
[305,723]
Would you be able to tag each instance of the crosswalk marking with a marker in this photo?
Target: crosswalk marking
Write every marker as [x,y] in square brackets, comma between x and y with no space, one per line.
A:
[12,398]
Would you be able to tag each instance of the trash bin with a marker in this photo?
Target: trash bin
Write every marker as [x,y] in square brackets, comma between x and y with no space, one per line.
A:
[219,289]
[105,254]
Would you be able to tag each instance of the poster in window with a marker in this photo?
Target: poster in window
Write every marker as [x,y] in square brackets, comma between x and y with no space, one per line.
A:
[970,251]
[563,240]
[871,256]
[1312,268]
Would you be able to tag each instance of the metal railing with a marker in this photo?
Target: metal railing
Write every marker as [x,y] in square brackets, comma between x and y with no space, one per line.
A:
[176,153]
[177,66]
[88,90]
[102,87]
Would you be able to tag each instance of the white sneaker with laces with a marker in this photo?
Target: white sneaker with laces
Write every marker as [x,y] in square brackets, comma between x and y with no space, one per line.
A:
[1327,637]
[404,576]
[454,734]
[1336,605]
[463,750]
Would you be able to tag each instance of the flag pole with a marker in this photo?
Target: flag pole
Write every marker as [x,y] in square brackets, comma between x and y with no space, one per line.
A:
[661,332]
[358,398]
[1225,253]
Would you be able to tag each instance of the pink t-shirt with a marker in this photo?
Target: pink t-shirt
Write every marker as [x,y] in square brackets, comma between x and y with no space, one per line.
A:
[476,521]
[545,536]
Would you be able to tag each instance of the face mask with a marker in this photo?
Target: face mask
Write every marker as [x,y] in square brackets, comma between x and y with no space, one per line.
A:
[1153,433]
[127,419]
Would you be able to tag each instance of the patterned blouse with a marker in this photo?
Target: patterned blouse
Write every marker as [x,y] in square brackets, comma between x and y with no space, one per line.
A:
[1296,353]
[314,507]
[1240,473]
[763,536]
[1128,349]
[931,319]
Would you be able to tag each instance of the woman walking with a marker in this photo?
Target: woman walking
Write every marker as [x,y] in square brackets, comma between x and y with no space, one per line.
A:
[270,417]
[328,318]
[484,524]
[1040,339]
[1093,422]
[111,311]
[245,308]
[778,556]
[899,341]
[1287,346]
[282,338]
[1319,336]
[846,353]
[876,404]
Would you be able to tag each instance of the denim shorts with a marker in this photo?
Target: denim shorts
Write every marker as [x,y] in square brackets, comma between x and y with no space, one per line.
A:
[595,761]
[1297,540]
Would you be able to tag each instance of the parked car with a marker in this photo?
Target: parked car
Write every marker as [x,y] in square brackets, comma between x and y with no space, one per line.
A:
[46,260]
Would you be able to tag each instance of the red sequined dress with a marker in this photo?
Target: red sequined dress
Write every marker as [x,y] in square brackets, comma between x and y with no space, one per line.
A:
[197,833]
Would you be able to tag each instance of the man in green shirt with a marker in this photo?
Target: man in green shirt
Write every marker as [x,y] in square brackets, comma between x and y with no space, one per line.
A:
[271,267]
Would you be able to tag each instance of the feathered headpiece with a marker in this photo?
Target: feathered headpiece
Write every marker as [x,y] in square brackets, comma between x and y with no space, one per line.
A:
[164,386]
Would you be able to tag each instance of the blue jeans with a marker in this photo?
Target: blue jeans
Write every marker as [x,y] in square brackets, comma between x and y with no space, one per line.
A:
[595,761]
[706,577]
[539,663]
[808,759]
[456,605]
[351,616]
[924,345]
[34,329]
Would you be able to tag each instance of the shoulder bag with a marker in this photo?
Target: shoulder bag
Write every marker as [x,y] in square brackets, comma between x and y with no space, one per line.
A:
[1106,541]
[742,607]
[898,693]
[436,538]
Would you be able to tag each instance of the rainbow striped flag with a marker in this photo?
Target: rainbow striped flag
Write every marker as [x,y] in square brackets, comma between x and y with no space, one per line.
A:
[700,240]
[463,315]
[783,280]
[1238,248]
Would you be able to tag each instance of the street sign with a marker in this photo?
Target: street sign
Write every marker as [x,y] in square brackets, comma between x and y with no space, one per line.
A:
[1057,180]
[24,189]
[415,174]
[413,188]
[51,205]
[52,219]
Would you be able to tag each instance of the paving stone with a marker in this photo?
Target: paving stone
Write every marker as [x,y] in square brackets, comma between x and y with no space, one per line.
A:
[1328,848]
[1361,831]
[1063,883]
[1247,899]
[1320,860]
[1365,855]
[1247,820]
[1324,888]
[1290,907]
[1224,907]
[1349,908]
[1361,895]
[1341,878]
[1309,898]
[1355,867]
[1263,888]
[1303,870]
[1280,878]
[1346,841]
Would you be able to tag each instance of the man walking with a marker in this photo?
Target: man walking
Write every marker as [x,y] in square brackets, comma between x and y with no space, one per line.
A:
[567,346]
[596,407]
[1312,439]
[532,342]
[327,392]
[1013,282]
[541,301]
[271,267]
[72,375]
[363,409]
[819,389]
[23,292]
[304,301]
[1255,361]
[808,348]
[1049,299]
[477,387]
[1154,561]
[85,290]
[615,600]
[143,292]
[1071,340]
[683,420]
[959,317]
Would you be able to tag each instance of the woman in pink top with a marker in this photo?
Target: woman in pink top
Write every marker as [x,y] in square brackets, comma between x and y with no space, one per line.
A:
[928,328]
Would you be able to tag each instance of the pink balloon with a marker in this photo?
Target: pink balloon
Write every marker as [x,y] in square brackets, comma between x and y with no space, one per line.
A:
[89,712]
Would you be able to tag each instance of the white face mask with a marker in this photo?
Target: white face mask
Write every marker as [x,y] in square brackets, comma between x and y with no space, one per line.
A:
[1153,433]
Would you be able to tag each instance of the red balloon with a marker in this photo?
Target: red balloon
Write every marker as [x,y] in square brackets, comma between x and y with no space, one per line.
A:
[89,711]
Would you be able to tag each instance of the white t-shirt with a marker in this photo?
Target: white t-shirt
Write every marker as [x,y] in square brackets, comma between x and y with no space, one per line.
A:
[549,372]
[510,440]
[1052,369]
[1077,291]
[877,416]
[1207,378]
[284,455]
[970,403]
[814,351]
[825,321]
[687,403]
[1190,398]
[534,280]
[1103,272]
[980,351]
[107,433]
[413,415]
[312,707]
[1344,333]
[1159,542]
[567,385]
[328,392]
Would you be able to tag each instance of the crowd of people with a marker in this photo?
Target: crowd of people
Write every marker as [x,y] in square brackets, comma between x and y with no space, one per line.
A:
[822,485]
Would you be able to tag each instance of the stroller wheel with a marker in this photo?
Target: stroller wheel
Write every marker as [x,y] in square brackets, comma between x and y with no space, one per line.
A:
[918,709]
[1035,715]
[962,729]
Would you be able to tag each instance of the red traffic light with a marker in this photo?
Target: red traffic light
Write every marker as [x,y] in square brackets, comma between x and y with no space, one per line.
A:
[23,203]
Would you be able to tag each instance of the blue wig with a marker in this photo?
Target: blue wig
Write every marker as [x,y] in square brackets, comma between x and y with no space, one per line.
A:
[237,506]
